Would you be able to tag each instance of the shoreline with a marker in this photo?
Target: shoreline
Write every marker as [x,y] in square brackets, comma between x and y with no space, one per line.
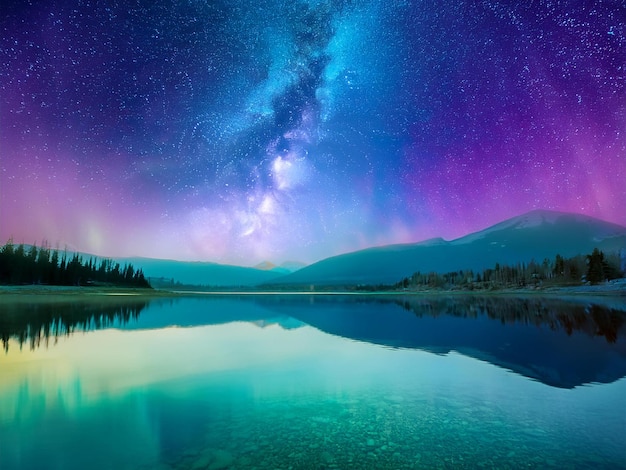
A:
[45,293]
[613,299]
[22,291]
[63,295]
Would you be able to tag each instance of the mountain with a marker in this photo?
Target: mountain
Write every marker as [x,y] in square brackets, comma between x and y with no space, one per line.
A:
[265,266]
[191,272]
[536,235]
[200,273]
[285,268]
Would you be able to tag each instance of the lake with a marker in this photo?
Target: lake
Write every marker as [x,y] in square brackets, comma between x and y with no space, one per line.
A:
[299,381]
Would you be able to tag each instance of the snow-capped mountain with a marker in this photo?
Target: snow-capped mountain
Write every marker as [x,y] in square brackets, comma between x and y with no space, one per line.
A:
[535,235]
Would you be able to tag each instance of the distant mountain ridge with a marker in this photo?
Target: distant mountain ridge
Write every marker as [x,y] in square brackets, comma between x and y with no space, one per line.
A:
[285,268]
[203,273]
[535,235]
[197,273]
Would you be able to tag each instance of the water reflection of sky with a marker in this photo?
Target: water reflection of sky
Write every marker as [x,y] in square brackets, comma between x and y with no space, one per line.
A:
[158,388]
[559,343]
[92,365]
[110,362]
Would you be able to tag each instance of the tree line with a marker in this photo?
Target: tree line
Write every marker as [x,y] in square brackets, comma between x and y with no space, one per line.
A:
[43,265]
[593,268]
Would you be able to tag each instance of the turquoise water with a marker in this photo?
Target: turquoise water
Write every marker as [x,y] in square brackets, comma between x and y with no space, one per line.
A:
[273,382]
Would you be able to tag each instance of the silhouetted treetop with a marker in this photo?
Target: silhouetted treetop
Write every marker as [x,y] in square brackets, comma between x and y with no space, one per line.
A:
[41,265]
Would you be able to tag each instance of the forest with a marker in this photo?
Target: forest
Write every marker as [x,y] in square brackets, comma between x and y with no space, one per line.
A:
[593,268]
[21,265]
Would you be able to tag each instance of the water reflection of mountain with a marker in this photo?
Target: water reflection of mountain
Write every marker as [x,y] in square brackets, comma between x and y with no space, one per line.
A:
[559,343]
[563,344]
[35,324]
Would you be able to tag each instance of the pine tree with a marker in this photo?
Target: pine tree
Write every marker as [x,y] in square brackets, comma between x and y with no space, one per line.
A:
[595,267]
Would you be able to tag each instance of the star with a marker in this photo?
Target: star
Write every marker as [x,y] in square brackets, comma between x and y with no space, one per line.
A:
[237,132]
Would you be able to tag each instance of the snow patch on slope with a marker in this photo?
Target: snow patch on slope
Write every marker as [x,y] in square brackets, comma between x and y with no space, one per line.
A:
[531,219]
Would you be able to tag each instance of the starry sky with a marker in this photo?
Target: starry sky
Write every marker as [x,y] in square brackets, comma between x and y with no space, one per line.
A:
[240,131]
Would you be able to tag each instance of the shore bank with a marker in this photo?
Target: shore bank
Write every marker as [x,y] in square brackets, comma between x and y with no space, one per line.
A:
[49,293]
[41,293]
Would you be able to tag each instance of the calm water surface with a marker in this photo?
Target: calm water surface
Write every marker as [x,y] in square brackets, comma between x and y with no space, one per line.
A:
[273,382]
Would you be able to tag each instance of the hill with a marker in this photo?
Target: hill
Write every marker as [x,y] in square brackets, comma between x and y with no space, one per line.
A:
[535,235]
[202,273]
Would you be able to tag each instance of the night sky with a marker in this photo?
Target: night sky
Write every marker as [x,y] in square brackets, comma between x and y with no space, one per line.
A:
[242,131]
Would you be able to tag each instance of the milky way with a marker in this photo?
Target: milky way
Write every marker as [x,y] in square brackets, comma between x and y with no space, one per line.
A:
[239,131]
